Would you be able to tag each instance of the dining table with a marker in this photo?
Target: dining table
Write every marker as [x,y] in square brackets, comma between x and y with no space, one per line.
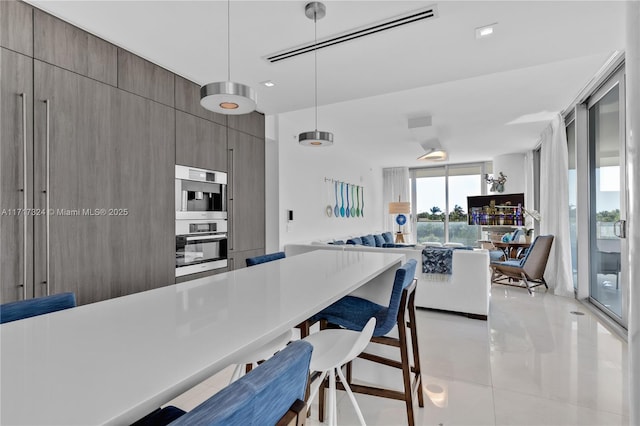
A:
[511,248]
[114,361]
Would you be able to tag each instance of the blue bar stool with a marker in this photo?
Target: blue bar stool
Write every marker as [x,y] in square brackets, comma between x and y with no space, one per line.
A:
[14,311]
[271,394]
[352,313]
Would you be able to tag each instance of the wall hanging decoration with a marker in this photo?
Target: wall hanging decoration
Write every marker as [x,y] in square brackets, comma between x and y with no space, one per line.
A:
[497,184]
[348,199]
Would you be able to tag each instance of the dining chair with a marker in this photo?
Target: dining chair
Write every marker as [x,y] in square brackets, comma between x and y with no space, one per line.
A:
[499,254]
[333,348]
[529,269]
[249,361]
[271,394]
[28,308]
[353,313]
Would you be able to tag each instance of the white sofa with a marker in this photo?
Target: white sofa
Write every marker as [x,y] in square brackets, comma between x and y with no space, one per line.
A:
[466,291]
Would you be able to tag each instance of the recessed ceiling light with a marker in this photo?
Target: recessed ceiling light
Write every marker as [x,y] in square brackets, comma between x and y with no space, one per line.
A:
[268,83]
[486,31]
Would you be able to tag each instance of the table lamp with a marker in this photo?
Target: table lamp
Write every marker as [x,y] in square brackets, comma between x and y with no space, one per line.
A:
[400,208]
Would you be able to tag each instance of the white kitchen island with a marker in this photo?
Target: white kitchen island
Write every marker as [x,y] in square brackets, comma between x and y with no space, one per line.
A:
[114,361]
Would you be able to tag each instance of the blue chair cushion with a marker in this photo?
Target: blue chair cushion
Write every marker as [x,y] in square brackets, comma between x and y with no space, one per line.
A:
[368,240]
[514,263]
[261,397]
[355,241]
[353,312]
[22,309]
[388,237]
[160,417]
[496,255]
[379,239]
[252,261]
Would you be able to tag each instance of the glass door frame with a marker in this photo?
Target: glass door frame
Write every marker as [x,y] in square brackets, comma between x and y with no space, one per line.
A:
[615,82]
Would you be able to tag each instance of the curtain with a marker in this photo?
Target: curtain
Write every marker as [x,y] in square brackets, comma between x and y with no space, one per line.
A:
[554,202]
[529,189]
[395,183]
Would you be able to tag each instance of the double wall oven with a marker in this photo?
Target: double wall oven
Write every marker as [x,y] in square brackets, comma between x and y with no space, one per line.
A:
[201,220]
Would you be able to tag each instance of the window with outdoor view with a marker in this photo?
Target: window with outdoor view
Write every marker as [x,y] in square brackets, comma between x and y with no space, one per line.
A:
[441,201]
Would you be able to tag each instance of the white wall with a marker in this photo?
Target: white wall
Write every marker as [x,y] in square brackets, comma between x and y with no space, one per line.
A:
[512,166]
[302,188]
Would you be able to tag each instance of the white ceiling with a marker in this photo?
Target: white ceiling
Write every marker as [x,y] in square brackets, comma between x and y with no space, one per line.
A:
[540,56]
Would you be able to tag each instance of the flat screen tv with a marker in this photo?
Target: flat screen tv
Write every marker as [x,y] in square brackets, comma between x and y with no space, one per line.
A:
[499,209]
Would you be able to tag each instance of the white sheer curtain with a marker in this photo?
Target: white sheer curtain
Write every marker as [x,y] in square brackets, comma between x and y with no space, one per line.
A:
[554,202]
[395,183]
[529,188]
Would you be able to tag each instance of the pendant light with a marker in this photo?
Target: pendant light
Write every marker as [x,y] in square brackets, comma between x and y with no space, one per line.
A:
[228,97]
[315,10]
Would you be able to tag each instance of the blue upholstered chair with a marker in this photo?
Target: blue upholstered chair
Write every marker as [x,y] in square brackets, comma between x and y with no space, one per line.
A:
[272,392]
[498,255]
[22,309]
[352,313]
[252,261]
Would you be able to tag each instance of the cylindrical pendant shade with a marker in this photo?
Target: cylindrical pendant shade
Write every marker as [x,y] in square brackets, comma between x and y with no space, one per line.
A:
[227,97]
[315,138]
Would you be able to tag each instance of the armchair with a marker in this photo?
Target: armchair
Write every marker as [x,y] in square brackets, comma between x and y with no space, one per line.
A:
[529,269]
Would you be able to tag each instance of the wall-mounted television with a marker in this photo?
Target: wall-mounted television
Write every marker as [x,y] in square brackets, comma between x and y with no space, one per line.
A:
[496,210]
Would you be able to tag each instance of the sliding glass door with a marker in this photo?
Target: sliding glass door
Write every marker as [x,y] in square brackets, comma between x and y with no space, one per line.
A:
[439,195]
[608,281]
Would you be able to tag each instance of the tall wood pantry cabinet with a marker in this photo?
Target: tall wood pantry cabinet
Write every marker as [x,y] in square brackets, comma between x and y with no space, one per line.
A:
[90,134]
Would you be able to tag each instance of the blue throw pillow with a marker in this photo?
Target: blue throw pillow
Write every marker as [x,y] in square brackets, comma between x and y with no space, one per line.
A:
[368,240]
[388,237]
[379,240]
[357,241]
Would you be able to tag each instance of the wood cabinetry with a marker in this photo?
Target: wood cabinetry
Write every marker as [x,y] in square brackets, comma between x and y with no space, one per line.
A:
[188,100]
[106,157]
[139,76]
[59,43]
[200,143]
[103,129]
[16,27]
[246,192]
[252,123]
[16,183]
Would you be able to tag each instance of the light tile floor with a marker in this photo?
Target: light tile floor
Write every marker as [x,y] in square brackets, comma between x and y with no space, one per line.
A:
[532,363]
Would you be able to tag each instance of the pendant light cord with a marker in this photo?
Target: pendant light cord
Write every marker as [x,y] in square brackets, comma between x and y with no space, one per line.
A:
[228,40]
[315,60]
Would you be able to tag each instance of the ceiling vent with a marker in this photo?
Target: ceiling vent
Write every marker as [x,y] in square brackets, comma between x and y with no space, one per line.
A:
[430,12]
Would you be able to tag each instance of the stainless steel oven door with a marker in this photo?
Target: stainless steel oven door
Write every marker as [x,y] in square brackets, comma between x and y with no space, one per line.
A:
[200,252]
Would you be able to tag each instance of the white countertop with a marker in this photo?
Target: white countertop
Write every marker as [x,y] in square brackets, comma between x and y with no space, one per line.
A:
[114,361]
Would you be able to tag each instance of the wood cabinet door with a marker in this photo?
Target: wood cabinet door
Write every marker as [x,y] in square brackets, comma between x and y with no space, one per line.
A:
[106,157]
[16,26]
[60,43]
[246,192]
[16,183]
[200,143]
